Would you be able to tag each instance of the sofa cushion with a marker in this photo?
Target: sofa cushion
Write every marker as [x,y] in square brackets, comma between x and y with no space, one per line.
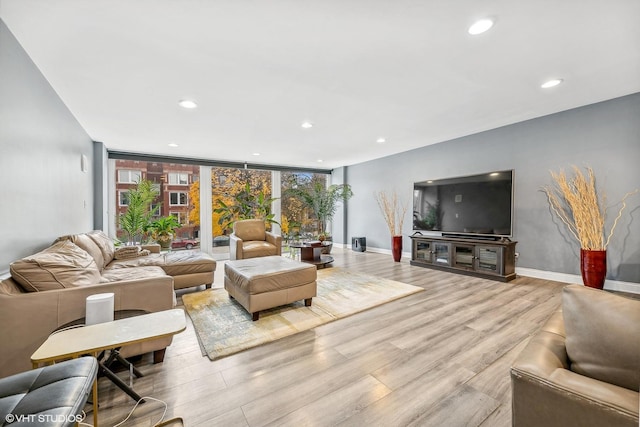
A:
[105,244]
[603,335]
[61,265]
[89,245]
[130,252]
[176,263]
[258,248]
[135,273]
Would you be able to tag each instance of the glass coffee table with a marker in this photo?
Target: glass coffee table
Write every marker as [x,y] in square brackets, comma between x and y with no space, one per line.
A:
[311,252]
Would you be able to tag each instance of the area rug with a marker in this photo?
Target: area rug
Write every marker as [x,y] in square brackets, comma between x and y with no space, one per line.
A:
[224,327]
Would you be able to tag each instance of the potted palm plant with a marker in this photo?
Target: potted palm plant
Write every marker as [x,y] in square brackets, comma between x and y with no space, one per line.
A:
[136,219]
[163,230]
[577,203]
[322,201]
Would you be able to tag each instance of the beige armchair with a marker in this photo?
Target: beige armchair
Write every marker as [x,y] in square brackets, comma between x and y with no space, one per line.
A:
[250,239]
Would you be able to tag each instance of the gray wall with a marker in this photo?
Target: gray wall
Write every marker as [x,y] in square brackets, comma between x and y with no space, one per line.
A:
[605,136]
[43,191]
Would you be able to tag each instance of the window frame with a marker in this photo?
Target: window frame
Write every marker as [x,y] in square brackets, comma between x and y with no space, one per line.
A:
[129,172]
[186,196]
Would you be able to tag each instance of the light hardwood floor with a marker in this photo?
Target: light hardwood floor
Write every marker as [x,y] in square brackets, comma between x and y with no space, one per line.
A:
[436,358]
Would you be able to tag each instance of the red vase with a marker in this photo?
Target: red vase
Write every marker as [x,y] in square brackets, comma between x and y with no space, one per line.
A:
[593,266]
[396,247]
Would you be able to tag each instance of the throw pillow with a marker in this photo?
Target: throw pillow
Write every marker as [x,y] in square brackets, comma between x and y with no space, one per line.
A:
[62,265]
[130,252]
[602,335]
[105,244]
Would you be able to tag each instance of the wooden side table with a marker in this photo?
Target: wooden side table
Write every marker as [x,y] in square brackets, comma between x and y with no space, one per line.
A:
[312,253]
[94,339]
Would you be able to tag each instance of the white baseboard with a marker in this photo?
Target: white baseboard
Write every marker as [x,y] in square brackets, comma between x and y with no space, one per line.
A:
[610,285]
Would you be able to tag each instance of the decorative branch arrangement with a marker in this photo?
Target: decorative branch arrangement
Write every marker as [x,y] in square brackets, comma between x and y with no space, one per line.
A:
[392,211]
[575,201]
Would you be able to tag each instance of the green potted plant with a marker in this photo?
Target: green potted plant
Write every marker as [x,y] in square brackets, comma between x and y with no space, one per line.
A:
[136,219]
[322,201]
[163,230]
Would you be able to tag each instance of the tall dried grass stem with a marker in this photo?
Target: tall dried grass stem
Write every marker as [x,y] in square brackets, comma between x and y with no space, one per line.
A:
[392,211]
[575,201]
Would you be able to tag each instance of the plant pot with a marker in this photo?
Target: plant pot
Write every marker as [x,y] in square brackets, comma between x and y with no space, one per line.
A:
[326,249]
[593,267]
[396,247]
[164,241]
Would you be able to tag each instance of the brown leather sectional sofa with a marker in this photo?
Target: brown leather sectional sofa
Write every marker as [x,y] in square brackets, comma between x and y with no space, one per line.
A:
[49,289]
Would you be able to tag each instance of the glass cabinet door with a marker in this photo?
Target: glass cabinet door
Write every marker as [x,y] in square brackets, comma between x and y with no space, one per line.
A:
[489,259]
[463,256]
[441,254]
[423,251]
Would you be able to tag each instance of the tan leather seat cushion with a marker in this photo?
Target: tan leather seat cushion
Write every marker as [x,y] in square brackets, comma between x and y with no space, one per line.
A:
[62,265]
[603,335]
[136,273]
[266,274]
[173,263]
[258,248]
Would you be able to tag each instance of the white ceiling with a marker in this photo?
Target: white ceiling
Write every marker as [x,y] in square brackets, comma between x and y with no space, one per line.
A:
[358,70]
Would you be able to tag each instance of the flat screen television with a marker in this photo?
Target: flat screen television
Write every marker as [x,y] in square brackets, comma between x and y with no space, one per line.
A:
[477,205]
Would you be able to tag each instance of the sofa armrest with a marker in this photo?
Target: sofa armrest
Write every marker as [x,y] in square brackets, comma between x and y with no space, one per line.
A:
[28,319]
[275,240]
[235,247]
[545,392]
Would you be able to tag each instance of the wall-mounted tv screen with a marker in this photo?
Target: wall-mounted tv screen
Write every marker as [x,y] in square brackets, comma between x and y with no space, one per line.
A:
[470,205]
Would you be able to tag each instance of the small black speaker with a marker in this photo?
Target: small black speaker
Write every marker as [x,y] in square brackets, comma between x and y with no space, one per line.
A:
[359,244]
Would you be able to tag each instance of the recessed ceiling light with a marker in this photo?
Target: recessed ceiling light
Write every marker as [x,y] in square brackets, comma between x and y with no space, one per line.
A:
[480,26]
[320,160]
[172,144]
[551,83]
[188,103]
[256,154]
[307,125]
[381,140]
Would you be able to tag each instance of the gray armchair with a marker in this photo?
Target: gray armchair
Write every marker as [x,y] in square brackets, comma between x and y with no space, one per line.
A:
[250,239]
[582,368]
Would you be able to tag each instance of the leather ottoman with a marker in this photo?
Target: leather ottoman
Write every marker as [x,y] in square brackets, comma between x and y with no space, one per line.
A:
[268,282]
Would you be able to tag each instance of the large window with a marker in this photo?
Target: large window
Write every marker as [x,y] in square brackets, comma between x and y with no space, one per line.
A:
[235,193]
[238,194]
[298,221]
[162,178]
